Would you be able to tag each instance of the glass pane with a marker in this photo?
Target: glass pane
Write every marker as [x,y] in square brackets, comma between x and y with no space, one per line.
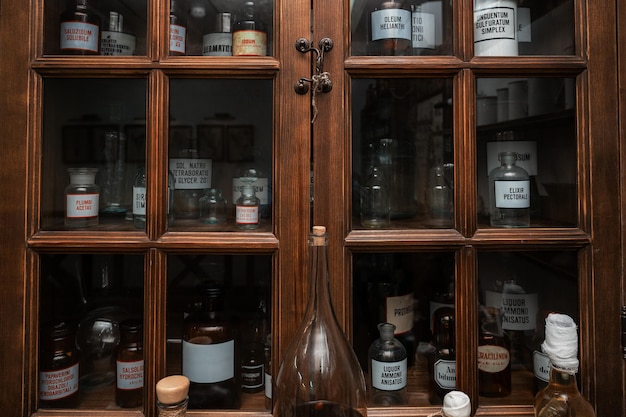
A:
[415,293]
[399,27]
[534,118]
[221,138]
[221,27]
[524,27]
[517,291]
[402,153]
[104,131]
[219,307]
[91,308]
[95,27]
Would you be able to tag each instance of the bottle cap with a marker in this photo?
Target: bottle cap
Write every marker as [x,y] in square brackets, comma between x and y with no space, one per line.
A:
[116,22]
[561,342]
[172,389]
[82,175]
[386,331]
[456,404]
[222,22]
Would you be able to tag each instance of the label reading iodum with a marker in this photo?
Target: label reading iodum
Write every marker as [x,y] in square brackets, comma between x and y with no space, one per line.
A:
[250,43]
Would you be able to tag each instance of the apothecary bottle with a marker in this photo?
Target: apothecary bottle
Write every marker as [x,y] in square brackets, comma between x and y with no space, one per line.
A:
[494,357]
[247,205]
[139,199]
[178,29]
[423,26]
[219,41]
[387,369]
[442,367]
[58,366]
[509,193]
[249,33]
[561,397]
[213,207]
[495,28]
[439,197]
[115,40]
[320,358]
[375,208]
[130,365]
[390,28]
[210,353]
[192,172]
[82,198]
[80,28]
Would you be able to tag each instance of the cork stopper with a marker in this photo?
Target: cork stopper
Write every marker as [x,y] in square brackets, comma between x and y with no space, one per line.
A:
[318,236]
[172,389]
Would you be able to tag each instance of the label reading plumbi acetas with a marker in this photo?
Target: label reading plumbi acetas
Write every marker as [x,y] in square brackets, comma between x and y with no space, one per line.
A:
[57,384]
[389,376]
[82,206]
[512,194]
[130,374]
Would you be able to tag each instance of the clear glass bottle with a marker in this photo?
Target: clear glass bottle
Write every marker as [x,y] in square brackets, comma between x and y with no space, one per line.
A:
[192,171]
[375,209]
[249,33]
[210,353]
[247,205]
[80,29]
[509,193]
[387,369]
[219,42]
[390,28]
[494,357]
[320,358]
[58,366]
[82,198]
[139,199]
[439,199]
[443,362]
[213,207]
[561,397]
[116,42]
[178,30]
[130,362]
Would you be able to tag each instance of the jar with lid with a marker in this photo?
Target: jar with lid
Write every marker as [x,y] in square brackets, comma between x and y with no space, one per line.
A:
[130,363]
[82,198]
[213,207]
[58,366]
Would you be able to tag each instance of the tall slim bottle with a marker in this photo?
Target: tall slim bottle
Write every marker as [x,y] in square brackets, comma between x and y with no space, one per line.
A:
[178,30]
[320,374]
[561,397]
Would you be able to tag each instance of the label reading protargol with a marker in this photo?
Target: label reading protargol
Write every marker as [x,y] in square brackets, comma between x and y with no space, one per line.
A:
[400,312]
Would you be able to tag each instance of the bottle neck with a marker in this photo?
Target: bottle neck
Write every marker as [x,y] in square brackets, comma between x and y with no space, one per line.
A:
[320,303]
[565,379]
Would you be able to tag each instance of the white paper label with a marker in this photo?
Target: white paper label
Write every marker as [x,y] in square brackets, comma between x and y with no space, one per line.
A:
[268,385]
[249,42]
[541,366]
[444,373]
[261,189]
[391,24]
[82,206]
[209,363]
[389,376]
[191,174]
[400,312]
[512,194]
[247,214]
[423,30]
[117,44]
[494,23]
[252,376]
[217,44]
[139,201]
[493,359]
[178,34]
[129,375]
[57,384]
[526,151]
[519,311]
[81,36]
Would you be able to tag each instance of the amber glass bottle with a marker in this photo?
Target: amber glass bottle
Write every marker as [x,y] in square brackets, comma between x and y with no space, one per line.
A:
[494,356]
[129,374]
[443,365]
[390,29]
[210,353]
[58,366]
[249,33]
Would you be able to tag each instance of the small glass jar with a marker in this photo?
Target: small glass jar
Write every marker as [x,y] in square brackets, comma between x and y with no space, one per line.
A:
[509,193]
[58,366]
[387,369]
[82,198]
[213,207]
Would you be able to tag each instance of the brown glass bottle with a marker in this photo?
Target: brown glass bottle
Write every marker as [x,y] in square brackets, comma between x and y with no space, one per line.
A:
[443,361]
[178,30]
[390,29]
[210,352]
[129,375]
[58,366]
[80,28]
[494,356]
[249,33]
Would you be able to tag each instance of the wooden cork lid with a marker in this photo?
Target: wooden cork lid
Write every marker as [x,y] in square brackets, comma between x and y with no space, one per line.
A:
[172,389]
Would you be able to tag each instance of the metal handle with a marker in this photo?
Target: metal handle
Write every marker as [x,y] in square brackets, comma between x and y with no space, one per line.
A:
[320,79]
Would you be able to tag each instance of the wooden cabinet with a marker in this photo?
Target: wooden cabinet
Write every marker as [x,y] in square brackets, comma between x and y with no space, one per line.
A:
[437,106]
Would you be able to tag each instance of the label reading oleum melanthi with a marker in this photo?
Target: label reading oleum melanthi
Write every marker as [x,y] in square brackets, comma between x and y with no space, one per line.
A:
[389,376]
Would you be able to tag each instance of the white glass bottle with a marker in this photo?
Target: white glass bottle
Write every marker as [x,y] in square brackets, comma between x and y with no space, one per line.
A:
[439,199]
[219,42]
[495,28]
[82,198]
[139,199]
[509,193]
[387,369]
[116,42]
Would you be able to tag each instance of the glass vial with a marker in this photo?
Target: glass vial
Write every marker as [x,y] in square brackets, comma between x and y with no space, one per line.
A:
[220,41]
[494,357]
[390,29]
[387,369]
[249,33]
[509,193]
[423,40]
[116,42]
[129,361]
[495,28]
[375,209]
[213,207]
[561,397]
[443,365]
[252,368]
[58,366]
[82,198]
[178,30]
[247,205]
[210,352]
[80,29]
[440,197]
[139,199]
[320,358]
